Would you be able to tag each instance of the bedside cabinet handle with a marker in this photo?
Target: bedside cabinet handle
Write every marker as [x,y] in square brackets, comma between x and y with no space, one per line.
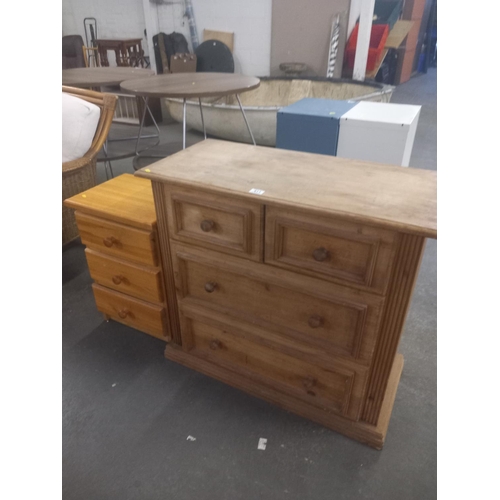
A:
[110,241]
[117,279]
[207,225]
[123,313]
[321,254]
[210,287]
[215,344]
[309,382]
[315,321]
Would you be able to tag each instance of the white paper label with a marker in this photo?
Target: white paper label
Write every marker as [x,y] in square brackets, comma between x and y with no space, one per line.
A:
[262,444]
[256,191]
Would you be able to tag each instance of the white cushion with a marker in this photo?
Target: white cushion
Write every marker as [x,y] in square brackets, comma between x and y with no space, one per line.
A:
[79,124]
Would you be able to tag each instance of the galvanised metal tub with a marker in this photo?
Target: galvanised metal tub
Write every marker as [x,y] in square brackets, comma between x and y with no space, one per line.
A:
[223,117]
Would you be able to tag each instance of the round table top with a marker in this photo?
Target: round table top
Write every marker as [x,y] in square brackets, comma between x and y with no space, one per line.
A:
[187,85]
[96,77]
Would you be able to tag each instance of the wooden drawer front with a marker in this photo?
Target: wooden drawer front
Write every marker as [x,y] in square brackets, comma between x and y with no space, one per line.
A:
[330,248]
[223,224]
[118,240]
[138,281]
[339,322]
[144,316]
[337,388]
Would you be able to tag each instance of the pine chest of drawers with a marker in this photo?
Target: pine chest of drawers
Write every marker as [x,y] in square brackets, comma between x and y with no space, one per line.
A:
[289,275]
[117,224]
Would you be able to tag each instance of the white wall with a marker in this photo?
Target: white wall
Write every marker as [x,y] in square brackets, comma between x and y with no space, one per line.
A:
[115,19]
[301,33]
[250,20]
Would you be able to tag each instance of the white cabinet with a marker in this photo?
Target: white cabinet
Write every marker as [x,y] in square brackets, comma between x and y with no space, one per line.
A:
[379,132]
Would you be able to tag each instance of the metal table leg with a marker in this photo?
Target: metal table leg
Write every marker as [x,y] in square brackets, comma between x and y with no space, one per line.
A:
[184,123]
[202,120]
[139,137]
[245,118]
[107,158]
[150,136]
[141,125]
[107,163]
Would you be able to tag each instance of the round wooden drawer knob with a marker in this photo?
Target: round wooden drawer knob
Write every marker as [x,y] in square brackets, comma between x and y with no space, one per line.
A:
[210,287]
[110,241]
[321,254]
[215,344]
[207,225]
[123,313]
[315,321]
[309,382]
[117,279]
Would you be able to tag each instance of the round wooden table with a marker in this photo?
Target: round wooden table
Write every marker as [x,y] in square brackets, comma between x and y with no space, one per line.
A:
[112,77]
[102,77]
[193,86]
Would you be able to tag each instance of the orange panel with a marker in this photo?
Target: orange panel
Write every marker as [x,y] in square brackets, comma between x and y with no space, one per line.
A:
[412,38]
[418,9]
[406,70]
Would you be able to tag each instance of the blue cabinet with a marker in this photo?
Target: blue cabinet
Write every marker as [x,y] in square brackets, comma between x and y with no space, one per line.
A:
[311,125]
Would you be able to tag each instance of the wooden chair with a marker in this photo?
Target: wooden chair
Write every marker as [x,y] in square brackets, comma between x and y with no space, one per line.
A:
[80,174]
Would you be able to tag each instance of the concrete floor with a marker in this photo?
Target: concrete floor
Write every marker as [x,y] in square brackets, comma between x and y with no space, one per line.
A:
[127,411]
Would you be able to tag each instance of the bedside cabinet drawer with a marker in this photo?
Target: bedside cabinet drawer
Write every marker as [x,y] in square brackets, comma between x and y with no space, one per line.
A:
[336,319]
[138,281]
[223,224]
[146,317]
[332,249]
[338,389]
[117,240]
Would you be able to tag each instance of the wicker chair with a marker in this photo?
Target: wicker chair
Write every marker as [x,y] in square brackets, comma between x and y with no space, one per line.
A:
[80,175]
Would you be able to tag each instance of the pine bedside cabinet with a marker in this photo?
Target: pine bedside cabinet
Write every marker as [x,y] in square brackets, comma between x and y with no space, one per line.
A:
[289,275]
[117,223]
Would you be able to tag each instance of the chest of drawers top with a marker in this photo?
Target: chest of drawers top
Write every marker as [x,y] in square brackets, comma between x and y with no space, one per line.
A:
[125,199]
[385,196]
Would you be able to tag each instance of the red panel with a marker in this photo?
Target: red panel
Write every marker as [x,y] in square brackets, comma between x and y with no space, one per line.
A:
[378,37]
